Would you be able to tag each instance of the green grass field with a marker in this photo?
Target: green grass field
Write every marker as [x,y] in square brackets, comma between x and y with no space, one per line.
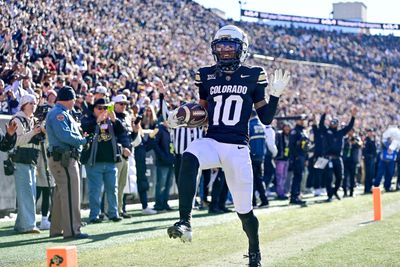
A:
[340,233]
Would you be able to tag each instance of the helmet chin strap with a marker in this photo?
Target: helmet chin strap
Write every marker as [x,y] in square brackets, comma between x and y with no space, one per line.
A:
[229,68]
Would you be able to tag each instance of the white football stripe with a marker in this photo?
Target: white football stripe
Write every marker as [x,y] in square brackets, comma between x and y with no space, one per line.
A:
[187,113]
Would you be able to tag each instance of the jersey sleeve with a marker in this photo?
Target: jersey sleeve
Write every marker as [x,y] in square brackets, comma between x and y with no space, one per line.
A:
[199,83]
[261,84]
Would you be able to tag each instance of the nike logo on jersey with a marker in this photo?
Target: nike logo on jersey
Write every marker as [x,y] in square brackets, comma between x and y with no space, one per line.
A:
[244,76]
[240,147]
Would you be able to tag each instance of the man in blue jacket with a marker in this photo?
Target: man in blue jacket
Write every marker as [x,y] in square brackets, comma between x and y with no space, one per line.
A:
[257,153]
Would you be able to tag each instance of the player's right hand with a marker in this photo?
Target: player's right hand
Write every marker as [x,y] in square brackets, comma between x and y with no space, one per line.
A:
[278,82]
[173,121]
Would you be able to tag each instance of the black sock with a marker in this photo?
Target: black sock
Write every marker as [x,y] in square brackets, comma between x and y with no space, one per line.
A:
[187,185]
[250,227]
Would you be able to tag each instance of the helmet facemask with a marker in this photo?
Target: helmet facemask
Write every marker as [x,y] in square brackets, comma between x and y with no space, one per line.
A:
[227,53]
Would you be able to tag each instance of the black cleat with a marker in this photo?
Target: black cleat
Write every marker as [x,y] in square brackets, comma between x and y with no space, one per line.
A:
[254,259]
[182,230]
[298,201]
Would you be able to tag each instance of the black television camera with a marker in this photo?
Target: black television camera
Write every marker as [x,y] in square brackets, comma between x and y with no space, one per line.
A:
[41,112]
[40,115]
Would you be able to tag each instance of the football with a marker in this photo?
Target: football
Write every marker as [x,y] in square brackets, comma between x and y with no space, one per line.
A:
[192,114]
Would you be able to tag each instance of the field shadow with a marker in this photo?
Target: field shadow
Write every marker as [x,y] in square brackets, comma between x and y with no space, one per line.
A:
[9,231]
[155,220]
[91,239]
[366,223]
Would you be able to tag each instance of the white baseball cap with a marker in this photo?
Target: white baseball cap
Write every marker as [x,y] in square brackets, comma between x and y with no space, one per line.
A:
[120,99]
[101,90]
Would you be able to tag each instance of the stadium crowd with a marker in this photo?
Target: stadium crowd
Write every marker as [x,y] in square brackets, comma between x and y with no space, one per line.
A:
[120,50]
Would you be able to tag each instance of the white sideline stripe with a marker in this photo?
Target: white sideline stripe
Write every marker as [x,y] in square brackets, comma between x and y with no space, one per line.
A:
[275,251]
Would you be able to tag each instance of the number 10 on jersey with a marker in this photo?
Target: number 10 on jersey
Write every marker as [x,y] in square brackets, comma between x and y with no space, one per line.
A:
[227,117]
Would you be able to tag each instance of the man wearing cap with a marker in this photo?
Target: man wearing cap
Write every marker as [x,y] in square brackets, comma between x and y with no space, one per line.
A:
[129,133]
[298,147]
[101,157]
[65,145]
[334,147]
[100,92]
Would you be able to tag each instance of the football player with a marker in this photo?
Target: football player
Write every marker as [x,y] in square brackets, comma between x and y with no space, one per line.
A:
[228,90]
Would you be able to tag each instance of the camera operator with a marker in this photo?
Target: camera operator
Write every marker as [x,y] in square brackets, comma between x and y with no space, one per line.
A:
[25,158]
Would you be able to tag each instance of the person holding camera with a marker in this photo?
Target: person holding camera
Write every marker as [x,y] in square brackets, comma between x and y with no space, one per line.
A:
[101,157]
[65,145]
[25,158]
[129,134]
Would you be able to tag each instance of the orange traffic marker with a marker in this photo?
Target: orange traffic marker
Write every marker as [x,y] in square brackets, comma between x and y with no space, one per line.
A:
[376,192]
[63,256]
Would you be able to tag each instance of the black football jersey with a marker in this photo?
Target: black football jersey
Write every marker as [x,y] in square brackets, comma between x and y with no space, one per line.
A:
[230,100]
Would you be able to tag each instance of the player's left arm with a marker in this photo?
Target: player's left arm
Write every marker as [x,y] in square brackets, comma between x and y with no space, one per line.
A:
[266,109]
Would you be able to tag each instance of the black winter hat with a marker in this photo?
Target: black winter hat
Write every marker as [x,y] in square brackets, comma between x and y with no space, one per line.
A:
[66,93]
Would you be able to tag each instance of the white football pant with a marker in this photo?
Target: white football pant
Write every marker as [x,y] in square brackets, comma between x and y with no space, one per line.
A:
[235,162]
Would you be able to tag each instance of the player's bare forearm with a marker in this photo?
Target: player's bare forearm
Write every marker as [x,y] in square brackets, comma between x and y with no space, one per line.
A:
[266,111]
